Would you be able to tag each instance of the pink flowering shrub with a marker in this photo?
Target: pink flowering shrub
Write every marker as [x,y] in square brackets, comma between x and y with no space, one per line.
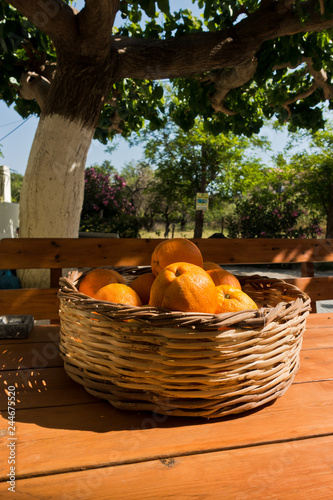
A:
[106,207]
[272,215]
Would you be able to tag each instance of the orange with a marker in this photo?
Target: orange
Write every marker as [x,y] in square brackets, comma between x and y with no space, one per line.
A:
[142,285]
[118,293]
[210,265]
[182,286]
[175,250]
[223,277]
[231,299]
[96,279]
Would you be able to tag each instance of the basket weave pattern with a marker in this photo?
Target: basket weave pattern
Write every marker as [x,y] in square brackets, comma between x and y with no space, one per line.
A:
[190,364]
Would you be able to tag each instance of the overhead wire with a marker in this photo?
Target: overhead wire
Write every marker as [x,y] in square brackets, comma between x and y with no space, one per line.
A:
[10,123]
[9,133]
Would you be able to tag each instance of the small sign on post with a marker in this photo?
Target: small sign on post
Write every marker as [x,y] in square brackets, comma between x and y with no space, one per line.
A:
[202,201]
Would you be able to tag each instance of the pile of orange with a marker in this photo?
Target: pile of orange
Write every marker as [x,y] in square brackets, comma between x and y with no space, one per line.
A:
[179,280]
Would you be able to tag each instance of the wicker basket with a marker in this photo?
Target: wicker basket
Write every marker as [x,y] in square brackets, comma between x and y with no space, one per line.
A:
[190,364]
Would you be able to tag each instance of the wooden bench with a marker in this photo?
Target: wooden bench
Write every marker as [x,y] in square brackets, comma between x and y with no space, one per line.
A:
[57,254]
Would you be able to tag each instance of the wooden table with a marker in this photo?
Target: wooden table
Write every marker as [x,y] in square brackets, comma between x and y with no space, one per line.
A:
[69,445]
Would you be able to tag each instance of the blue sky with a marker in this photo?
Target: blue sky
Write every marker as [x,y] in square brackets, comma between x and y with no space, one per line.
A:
[15,144]
[16,147]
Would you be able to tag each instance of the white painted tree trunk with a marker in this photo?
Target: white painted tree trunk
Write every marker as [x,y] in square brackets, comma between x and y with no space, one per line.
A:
[53,186]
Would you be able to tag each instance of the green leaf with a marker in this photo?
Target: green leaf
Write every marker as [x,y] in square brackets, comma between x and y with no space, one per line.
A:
[164,6]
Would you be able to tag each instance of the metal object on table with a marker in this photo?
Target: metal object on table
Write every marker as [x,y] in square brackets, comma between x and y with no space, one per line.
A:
[16,327]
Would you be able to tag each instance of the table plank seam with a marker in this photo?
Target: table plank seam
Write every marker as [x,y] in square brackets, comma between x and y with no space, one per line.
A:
[312,381]
[69,470]
[63,405]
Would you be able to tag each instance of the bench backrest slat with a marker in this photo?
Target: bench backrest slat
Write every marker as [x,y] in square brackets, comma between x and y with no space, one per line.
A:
[25,253]
[58,253]
[41,303]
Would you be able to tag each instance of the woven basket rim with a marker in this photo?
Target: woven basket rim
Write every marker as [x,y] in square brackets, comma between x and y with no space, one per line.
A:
[252,318]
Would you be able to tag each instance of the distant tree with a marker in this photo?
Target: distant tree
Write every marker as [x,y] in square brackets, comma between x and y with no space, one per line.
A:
[309,176]
[16,186]
[140,177]
[196,161]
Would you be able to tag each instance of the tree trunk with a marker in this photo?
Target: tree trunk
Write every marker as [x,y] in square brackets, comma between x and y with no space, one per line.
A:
[167,228]
[53,185]
[199,214]
[199,221]
[329,225]
[183,221]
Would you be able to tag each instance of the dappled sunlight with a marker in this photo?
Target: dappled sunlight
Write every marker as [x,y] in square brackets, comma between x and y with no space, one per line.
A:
[27,384]
[314,250]
[263,250]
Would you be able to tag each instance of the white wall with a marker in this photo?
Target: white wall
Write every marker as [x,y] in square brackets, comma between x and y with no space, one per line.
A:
[9,220]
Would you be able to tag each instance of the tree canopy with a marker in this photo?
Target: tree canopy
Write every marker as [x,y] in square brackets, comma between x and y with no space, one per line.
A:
[238,64]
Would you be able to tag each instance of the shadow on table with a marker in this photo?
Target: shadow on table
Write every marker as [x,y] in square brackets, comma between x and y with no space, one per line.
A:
[49,398]
[46,396]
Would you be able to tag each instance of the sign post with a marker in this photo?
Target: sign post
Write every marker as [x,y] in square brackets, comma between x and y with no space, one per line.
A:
[202,201]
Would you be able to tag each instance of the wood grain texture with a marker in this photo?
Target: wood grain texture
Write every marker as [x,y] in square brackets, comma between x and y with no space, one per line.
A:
[322,320]
[33,356]
[39,333]
[66,252]
[41,303]
[42,387]
[80,421]
[315,366]
[71,445]
[317,288]
[105,435]
[291,470]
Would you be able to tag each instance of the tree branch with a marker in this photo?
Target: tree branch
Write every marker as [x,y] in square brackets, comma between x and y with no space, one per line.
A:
[95,22]
[87,35]
[200,52]
[53,17]
[321,79]
[297,97]
[228,79]
[34,86]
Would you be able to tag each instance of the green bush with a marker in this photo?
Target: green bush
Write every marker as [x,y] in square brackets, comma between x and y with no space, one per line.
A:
[271,215]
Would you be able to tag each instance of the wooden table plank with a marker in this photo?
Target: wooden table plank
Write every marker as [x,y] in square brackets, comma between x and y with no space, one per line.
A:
[105,435]
[45,387]
[318,288]
[318,338]
[53,413]
[315,366]
[33,355]
[321,320]
[39,333]
[292,470]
